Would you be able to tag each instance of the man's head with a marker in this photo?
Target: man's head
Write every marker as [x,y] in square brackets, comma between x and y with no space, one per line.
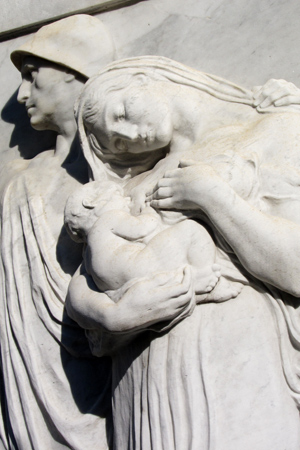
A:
[48,92]
[55,63]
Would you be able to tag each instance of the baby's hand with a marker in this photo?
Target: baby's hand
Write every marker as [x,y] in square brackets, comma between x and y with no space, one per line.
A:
[162,297]
[277,93]
[185,188]
[138,200]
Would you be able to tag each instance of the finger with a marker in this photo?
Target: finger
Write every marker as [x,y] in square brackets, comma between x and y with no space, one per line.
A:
[269,95]
[269,86]
[172,173]
[288,100]
[165,203]
[275,96]
[154,196]
[162,192]
[151,192]
[267,102]
[187,277]
[259,97]
[182,301]
[172,310]
[284,101]
[266,91]
[185,287]
[163,182]
[274,90]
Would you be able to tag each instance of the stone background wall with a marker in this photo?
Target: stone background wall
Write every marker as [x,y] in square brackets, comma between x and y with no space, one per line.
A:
[245,41]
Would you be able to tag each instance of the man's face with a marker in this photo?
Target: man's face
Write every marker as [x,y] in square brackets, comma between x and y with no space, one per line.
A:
[41,91]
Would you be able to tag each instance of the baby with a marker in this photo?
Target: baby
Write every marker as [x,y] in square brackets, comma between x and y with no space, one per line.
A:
[121,247]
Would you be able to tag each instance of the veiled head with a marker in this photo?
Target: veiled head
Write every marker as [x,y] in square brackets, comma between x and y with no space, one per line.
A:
[125,109]
[128,114]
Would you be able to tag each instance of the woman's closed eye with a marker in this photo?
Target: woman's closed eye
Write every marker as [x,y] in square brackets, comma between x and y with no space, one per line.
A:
[120,113]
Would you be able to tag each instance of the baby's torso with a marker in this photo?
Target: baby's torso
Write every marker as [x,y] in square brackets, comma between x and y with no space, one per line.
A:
[113,260]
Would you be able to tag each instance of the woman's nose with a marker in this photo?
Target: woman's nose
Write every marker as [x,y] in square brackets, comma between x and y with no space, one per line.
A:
[24,91]
[128,131]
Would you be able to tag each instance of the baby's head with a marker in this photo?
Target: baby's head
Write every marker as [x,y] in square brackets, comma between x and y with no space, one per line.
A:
[88,202]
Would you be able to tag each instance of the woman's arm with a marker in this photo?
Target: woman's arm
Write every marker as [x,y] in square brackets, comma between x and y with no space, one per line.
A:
[267,246]
[163,296]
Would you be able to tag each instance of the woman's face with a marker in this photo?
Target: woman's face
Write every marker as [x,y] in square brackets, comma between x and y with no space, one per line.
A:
[134,120]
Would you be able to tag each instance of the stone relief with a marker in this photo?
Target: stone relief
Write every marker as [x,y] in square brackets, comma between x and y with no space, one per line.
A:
[193,148]
[182,303]
[56,395]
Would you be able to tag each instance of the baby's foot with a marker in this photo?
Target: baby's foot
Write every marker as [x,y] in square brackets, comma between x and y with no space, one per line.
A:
[225,290]
[206,279]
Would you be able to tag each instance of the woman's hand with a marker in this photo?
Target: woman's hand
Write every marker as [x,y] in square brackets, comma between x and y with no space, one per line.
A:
[162,297]
[277,93]
[192,186]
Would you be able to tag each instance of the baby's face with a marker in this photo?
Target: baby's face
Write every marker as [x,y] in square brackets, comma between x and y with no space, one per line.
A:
[78,226]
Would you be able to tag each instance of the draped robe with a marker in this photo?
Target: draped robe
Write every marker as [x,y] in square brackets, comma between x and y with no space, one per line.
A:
[56,393]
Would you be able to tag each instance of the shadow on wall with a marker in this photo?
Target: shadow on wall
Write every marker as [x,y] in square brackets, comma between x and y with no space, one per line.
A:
[89,377]
[29,141]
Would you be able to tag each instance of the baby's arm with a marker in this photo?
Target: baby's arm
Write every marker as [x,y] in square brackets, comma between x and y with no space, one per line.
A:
[132,227]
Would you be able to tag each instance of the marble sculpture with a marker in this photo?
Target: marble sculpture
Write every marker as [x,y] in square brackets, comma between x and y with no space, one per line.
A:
[55,393]
[164,314]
